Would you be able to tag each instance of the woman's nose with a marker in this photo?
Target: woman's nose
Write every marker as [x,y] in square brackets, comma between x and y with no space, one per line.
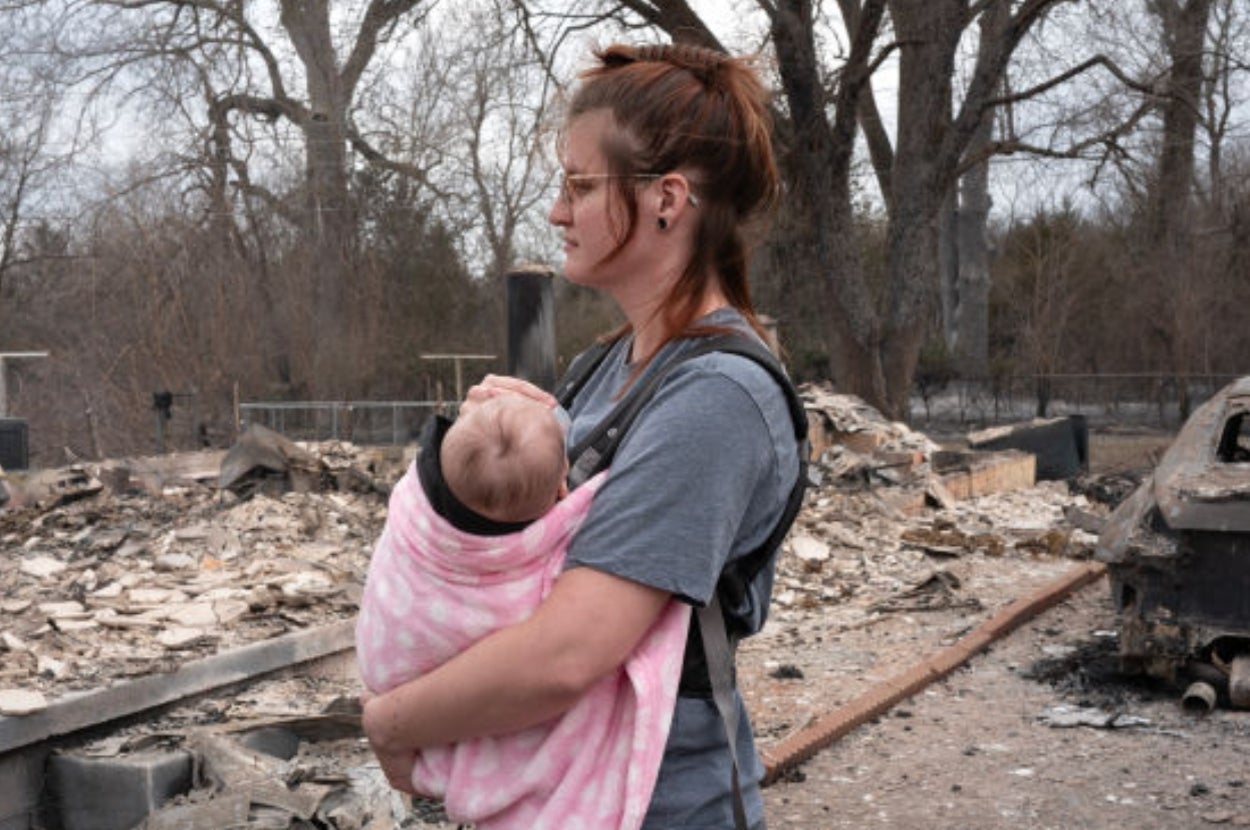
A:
[560,213]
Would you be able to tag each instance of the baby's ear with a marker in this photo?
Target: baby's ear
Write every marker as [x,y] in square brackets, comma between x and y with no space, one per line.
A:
[564,489]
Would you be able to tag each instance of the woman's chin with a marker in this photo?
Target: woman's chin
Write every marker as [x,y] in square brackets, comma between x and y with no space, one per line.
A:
[575,274]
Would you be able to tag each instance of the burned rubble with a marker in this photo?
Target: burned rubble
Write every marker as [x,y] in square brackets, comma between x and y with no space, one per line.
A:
[103,584]
[1177,551]
[127,569]
[877,529]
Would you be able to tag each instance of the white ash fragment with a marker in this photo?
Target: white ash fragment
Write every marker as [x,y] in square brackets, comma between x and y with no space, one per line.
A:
[181,638]
[69,610]
[20,702]
[809,549]
[51,667]
[194,615]
[42,567]
[175,562]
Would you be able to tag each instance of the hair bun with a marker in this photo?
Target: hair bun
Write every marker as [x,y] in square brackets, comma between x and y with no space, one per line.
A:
[705,64]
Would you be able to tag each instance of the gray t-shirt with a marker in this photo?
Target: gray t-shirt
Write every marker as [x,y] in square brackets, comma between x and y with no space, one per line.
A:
[702,477]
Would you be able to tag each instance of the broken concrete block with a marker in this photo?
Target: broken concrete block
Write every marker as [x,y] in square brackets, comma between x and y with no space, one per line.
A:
[68,610]
[156,596]
[173,562]
[1061,445]
[194,615]
[967,475]
[62,486]
[114,793]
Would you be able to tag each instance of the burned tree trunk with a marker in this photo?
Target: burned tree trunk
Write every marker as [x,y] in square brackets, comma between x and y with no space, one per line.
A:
[1171,208]
[818,165]
[972,307]
[328,224]
[928,32]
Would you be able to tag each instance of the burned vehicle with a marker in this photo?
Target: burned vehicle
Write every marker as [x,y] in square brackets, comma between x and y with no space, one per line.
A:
[1178,555]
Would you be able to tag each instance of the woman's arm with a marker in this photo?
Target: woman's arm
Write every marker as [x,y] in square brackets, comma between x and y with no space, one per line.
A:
[522,675]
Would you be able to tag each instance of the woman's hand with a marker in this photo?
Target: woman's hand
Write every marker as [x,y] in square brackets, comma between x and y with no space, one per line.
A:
[493,386]
[396,763]
[398,769]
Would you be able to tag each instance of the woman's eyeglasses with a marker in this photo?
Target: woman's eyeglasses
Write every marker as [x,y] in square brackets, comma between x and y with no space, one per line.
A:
[573,186]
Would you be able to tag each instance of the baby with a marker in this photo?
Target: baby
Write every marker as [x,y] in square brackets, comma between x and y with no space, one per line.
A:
[505,459]
[474,540]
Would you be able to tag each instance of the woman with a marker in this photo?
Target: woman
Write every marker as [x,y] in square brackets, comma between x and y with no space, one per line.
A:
[667,159]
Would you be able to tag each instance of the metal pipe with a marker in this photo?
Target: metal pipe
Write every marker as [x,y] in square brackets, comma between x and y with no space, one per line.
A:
[531,324]
[1201,670]
[1239,682]
[1199,698]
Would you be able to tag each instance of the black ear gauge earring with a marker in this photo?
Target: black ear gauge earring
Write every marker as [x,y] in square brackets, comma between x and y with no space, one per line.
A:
[662,223]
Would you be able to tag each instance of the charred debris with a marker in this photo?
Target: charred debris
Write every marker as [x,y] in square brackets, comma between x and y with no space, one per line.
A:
[1178,554]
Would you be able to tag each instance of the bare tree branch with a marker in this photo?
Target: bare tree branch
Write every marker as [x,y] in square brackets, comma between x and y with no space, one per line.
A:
[677,19]
[380,16]
[1064,77]
[379,159]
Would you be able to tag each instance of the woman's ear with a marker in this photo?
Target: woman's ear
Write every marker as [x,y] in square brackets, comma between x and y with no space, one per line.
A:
[675,197]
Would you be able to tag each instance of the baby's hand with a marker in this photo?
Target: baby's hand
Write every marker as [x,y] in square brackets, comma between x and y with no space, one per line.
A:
[493,386]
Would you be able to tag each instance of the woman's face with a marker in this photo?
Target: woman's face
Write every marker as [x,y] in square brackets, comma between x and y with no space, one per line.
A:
[587,209]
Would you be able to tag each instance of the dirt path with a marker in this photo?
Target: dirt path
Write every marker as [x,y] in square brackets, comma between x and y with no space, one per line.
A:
[976,752]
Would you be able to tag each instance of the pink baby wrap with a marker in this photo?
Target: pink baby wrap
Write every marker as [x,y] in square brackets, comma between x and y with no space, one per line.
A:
[433,590]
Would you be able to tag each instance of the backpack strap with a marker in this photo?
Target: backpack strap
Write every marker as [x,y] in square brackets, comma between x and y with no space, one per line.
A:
[720,668]
[580,369]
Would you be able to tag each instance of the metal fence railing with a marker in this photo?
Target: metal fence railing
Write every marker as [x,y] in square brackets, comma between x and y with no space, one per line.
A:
[361,422]
[1151,399]
[1148,399]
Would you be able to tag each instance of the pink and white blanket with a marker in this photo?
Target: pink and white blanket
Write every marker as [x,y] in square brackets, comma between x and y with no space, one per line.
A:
[433,590]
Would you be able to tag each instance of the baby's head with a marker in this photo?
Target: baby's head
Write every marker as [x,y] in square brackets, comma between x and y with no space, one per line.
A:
[505,459]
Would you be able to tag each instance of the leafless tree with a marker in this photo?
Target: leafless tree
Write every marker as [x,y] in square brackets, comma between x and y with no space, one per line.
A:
[1184,26]
[964,252]
[1042,282]
[1228,44]
[488,98]
[30,155]
[295,64]
[510,146]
